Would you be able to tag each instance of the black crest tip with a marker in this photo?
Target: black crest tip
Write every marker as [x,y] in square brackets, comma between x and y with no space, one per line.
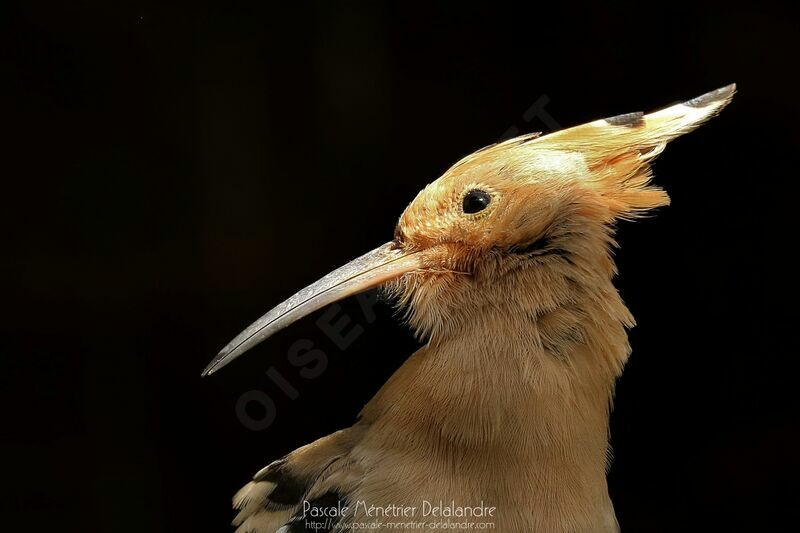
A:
[629,120]
[713,96]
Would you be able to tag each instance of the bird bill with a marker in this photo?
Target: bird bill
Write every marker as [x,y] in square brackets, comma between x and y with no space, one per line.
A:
[370,270]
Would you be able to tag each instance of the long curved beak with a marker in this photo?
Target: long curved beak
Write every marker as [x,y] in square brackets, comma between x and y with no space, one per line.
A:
[370,270]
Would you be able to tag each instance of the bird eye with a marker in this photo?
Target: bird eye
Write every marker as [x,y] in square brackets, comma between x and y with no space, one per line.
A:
[475,200]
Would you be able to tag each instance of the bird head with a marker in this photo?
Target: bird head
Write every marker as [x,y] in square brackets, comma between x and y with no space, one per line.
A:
[534,211]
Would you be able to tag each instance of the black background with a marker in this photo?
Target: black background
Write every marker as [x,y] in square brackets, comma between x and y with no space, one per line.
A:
[171,172]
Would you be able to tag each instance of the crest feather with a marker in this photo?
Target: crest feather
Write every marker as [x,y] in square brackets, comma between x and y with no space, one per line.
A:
[618,150]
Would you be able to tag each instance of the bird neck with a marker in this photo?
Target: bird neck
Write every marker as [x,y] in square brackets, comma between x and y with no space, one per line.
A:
[520,389]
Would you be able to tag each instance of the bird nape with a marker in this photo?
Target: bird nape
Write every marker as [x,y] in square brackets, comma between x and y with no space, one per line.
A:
[504,266]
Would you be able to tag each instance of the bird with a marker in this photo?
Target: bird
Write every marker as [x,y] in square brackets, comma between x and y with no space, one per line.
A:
[504,267]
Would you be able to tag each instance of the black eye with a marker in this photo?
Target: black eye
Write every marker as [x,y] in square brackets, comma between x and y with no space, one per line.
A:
[475,200]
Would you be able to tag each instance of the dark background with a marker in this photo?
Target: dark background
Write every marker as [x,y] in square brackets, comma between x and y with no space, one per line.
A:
[171,172]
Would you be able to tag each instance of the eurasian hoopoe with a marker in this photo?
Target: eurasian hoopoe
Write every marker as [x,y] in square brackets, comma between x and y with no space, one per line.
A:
[504,266]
